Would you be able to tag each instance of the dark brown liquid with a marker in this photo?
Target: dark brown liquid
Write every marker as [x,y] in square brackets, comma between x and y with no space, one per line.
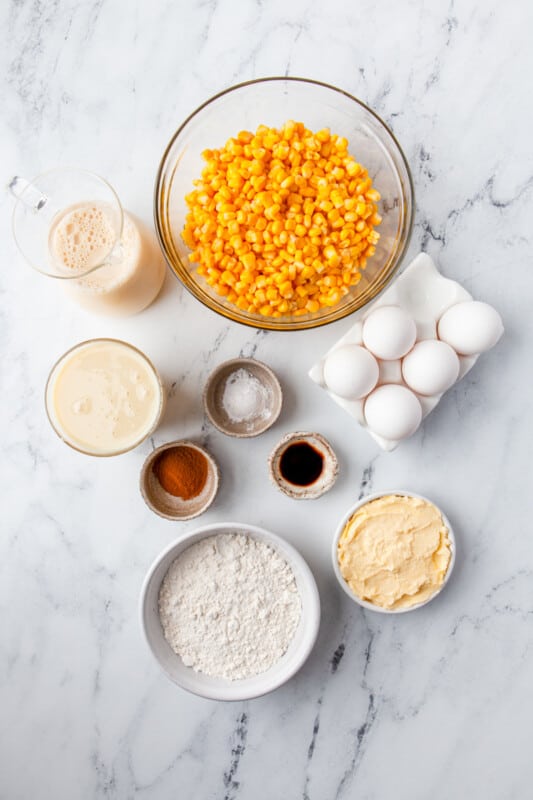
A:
[301,464]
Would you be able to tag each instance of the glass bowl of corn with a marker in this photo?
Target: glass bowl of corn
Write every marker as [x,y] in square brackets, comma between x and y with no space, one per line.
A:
[284,204]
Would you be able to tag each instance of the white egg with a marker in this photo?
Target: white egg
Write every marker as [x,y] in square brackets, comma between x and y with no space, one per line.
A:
[471,327]
[393,411]
[431,367]
[351,371]
[389,332]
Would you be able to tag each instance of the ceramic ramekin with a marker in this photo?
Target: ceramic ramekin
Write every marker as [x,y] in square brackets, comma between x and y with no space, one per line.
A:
[165,504]
[325,480]
[214,392]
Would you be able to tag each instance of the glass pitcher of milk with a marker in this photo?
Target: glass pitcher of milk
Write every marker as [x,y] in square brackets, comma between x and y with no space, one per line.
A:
[69,224]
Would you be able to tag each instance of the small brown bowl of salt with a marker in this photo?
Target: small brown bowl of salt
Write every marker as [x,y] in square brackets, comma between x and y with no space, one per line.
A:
[179,480]
[242,397]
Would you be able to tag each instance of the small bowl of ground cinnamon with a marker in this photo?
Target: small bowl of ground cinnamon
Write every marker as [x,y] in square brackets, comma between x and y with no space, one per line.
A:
[179,480]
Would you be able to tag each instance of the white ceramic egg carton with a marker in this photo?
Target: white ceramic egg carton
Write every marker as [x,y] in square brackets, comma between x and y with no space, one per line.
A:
[425,295]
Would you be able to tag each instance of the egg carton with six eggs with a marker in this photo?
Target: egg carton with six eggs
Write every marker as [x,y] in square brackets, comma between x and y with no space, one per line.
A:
[422,335]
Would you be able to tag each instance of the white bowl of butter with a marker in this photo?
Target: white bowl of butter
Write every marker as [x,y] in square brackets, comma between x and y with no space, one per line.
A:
[393,552]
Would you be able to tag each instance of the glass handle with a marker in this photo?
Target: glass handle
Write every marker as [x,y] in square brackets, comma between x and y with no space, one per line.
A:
[27,193]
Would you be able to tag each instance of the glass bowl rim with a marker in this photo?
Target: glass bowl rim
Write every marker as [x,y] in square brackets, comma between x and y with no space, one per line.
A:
[234,314]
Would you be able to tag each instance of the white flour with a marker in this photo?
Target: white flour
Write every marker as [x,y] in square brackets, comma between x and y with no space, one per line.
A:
[229,606]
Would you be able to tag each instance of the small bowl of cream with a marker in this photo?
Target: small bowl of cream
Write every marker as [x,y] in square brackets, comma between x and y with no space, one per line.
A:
[393,552]
[104,397]
[242,397]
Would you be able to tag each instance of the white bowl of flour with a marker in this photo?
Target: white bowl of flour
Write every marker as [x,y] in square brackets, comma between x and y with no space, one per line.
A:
[230,611]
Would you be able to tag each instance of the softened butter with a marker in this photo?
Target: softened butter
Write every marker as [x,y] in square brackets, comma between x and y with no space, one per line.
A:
[395,551]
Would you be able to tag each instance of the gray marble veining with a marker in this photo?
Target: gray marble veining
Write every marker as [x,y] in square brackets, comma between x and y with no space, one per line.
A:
[431,704]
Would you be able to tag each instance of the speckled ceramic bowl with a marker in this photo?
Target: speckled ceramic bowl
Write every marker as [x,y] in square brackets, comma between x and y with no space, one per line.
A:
[169,506]
[214,393]
[220,688]
[325,480]
[342,524]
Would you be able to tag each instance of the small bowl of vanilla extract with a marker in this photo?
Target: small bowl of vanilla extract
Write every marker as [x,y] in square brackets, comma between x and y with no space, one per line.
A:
[303,465]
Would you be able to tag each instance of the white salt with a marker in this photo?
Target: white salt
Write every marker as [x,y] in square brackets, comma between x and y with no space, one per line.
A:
[245,398]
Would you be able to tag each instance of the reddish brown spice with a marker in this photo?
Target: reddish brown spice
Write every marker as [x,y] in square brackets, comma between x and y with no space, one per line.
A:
[181,471]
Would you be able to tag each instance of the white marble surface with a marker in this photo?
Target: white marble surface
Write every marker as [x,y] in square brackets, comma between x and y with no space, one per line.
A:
[431,704]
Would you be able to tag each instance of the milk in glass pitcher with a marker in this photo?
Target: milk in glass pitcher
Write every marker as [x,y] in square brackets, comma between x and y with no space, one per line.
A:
[69,224]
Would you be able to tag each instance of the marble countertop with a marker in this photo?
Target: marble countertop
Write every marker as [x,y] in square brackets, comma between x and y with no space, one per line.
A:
[436,703]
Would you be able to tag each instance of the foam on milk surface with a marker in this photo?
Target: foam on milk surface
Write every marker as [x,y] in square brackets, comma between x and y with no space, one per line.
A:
[82,236]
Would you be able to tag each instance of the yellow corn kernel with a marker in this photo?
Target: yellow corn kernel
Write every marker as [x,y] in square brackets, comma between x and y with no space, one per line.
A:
[236,242]
[248,260]
[331,255]
[228,277]
[308,272]
[333,299]
[347,277]
[337,199]
[352,168]
[285,289]
[266,310]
